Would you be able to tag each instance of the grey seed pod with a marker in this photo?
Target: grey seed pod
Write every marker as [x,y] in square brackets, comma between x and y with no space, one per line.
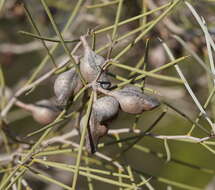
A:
[66,84]
[91,65]
[43,111]
[132,100]
[105,108]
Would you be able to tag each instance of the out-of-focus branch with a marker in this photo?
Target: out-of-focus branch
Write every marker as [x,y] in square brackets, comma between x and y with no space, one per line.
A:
[22,48]
[26,88]
[167,21]
[174,137]
[63,139]
[29,87]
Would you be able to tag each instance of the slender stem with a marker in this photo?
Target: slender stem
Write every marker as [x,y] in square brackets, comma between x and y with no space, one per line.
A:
[127,81]
[144,10]
[145,132]
[46,58]
[30,18]
[1,4]
[81,144]
[143,59]
[2,88]
[177,68]
[211,95]
[195,56]
[83,173]
[132,19]
[29,155]
[123,37]
[89,180]
[156,21]
[150,74]
[101,5]
[62,40]
[29,87]
[46,38]
[119,9]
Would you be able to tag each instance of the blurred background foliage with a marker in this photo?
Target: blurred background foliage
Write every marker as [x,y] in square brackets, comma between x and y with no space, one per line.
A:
[190,163]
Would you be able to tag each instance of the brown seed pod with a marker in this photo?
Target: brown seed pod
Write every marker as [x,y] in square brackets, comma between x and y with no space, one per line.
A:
[66,84]
[104,109]
[95,132]
[91,65]
[132,100]
[43,111]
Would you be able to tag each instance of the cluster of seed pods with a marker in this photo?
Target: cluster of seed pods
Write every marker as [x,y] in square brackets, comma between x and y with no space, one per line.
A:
[129,99]
[68,83]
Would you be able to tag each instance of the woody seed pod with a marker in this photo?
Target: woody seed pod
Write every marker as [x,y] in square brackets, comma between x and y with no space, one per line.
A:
[43,111]
[95,132]
[66,84]
[91,65]
[104,109]
[132,100]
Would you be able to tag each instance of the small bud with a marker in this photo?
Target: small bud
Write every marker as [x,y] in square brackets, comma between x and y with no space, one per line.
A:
[91,65]
[132,100]
[66,84]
